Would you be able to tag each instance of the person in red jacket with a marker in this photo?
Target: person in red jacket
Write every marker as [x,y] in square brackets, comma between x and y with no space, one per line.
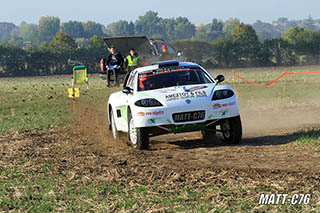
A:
[165,55]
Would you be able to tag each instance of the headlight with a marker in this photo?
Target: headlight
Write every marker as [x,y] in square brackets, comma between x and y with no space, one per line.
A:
[222,94]
[148,102]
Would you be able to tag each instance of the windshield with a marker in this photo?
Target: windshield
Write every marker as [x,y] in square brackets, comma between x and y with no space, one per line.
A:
[164,78]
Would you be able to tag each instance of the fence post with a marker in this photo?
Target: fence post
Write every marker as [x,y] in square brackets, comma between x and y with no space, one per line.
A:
[284,87]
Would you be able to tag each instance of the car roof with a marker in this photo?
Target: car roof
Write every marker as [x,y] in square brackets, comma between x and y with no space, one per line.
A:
[163,64]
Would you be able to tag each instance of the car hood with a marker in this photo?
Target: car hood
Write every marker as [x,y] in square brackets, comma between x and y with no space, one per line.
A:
[123,44]
[172,95]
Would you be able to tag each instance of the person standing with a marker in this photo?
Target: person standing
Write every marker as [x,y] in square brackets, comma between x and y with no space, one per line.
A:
[113,64]
[133,60]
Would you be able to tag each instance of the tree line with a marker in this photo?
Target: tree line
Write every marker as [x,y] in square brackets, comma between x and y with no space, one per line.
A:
[53,47]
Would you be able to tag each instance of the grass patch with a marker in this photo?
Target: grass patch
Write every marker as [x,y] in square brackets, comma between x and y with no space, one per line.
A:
[31,103]
[21,189]
[311,137]
[292,91]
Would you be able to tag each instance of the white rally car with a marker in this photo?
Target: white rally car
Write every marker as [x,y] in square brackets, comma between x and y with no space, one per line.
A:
[174,97]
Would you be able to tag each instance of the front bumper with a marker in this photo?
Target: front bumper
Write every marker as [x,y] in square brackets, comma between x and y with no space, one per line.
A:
[161,116]
[167,129]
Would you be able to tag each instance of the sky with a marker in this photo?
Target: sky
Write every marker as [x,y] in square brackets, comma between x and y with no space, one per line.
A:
[198,11]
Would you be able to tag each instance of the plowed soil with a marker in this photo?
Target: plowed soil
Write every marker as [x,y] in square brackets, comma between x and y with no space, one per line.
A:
[267,153]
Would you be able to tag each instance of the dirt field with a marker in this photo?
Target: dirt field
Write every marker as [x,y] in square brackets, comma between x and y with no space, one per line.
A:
[266,158]
[179,173]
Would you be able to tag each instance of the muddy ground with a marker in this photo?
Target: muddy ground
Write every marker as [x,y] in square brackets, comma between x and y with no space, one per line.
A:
[266,156]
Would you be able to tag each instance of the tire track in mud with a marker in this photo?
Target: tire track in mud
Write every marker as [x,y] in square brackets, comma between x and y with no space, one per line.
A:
[263,146]
[88,151]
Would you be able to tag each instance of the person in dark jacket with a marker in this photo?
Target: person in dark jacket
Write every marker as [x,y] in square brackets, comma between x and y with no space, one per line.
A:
[113,64]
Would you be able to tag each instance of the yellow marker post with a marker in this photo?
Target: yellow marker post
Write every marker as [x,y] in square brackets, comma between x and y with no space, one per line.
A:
[73,92]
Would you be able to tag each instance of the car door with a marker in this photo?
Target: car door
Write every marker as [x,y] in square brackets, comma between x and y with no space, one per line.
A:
[122,106]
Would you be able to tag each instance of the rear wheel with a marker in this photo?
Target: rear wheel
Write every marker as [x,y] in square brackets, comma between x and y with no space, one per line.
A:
[138,137]
[232,130]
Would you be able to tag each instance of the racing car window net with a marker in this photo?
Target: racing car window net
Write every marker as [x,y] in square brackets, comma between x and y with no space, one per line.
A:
[169,78]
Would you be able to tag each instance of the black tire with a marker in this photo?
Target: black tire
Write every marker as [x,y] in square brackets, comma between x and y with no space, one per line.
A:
[138,137]
[232,130]
[113,127]
[209,135]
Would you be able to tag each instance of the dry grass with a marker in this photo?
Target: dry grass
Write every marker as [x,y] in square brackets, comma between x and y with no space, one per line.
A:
[48,164]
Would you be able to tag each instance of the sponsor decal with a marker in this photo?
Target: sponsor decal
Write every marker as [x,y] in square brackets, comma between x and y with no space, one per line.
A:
[150,113]
[185,95]
[123,110]
[140,113]
[218,106]
[210,116]
[166,90]
[194,88]
[224,113]
[232,103]
[188,101]
[153,121]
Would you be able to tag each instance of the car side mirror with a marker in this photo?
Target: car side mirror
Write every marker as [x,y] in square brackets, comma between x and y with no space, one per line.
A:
[179,53]
[219,78]
[126,90]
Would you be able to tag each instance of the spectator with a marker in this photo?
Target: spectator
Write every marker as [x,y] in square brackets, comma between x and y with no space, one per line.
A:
[133,60]
[113,64]
[165,55]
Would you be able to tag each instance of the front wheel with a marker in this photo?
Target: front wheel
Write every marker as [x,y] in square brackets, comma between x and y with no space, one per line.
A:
[232,130]
[138,137]
[209,135]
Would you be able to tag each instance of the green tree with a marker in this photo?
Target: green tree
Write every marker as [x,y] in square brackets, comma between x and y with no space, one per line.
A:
[210,32]
[48,27]
[197,51]
[280,51]
[202,33]
[5,30]
[266,31]
[12,60]
[29,33]
[230,24]
[183,29]
[92,28]
[122,28]
[43,47]
[224,52]
[149,25]
[62,44]
[291,35]
[304,41]
[169,28]
[96,42]
[74,29]
[81,42]
[216,25]
[246,37]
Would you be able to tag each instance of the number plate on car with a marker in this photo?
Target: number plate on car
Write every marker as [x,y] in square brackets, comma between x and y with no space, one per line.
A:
[189,116]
